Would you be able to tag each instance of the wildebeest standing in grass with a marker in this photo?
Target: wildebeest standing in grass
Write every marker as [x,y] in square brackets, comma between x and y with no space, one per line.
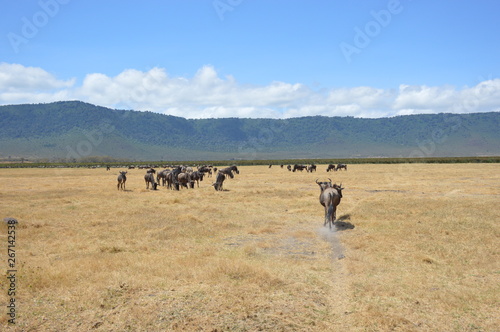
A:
[184,180]
[172,176]
[330,197]
[341,166]
[219,181]
[196,176]
[122,178]
[227,171]
[150,178]
[331,167]
[297,167]
[162,176]
[205,169]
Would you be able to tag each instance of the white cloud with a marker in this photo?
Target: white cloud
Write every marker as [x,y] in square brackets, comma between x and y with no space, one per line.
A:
[17,78]
[207,95]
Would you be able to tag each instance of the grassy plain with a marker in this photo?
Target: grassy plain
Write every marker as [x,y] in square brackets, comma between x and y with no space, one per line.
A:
[418,250]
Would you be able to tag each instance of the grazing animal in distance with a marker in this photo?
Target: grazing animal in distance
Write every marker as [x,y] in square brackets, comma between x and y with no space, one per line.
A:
[184,179]
[330,167]
[341,166]
[150,179]
[122,178]
[232,168]
[227,171]
[219,181]
[299,168]
[330,197]
[162,176]
[206,169]
[311,168]
[196,176]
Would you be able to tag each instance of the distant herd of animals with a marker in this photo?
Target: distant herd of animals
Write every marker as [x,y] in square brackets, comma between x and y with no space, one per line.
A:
[312,168]
[185,176]
[180,177]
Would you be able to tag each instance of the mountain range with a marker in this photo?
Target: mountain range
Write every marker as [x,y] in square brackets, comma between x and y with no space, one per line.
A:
[74,130]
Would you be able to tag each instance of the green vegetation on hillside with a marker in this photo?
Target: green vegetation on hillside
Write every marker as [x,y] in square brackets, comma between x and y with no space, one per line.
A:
[76,130]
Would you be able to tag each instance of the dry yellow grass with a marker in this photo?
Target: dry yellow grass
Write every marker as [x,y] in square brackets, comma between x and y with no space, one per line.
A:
[423,255]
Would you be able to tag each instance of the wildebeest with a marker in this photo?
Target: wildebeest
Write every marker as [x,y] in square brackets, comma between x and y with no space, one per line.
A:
[150,178]
[184,179]
[206,169]
[331,167]
[162,175]
[299,167]
[227,171]
[330,197]
[219,181]
[340,166]
[172,176]
[122,178]
[289,167]
[311,168]
[196,176]
[232,168]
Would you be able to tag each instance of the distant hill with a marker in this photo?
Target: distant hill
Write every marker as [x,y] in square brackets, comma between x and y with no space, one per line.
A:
[75,130]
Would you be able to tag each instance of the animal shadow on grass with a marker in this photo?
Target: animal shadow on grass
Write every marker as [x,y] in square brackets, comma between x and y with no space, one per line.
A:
[341,224]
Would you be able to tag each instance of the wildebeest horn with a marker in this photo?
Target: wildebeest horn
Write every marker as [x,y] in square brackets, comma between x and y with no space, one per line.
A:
[317,181]
[330,180]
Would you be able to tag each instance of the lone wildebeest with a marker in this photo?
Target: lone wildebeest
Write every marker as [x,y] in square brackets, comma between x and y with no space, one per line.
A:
[330,197]
[340,166]
[219,181]
[311,168]
[122,178]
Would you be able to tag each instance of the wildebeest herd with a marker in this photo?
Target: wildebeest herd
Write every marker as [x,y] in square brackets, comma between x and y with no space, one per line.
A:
[181,177]
[185,177]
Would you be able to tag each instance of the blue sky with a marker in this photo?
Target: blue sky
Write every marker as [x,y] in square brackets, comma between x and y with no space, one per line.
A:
[254,58]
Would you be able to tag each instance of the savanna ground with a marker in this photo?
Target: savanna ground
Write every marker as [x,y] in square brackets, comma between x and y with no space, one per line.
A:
[417,250]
